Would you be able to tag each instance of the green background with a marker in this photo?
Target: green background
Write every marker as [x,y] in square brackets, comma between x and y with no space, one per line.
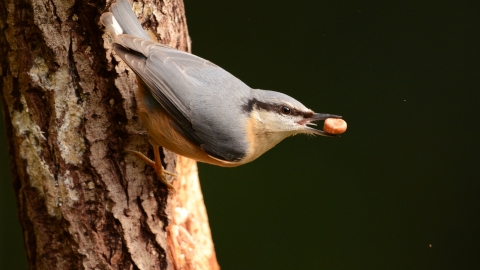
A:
[405,175]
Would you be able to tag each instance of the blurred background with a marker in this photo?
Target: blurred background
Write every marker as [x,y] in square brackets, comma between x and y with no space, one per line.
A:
[399,190]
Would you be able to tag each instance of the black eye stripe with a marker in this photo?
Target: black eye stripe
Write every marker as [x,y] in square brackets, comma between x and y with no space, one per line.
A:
[275,107]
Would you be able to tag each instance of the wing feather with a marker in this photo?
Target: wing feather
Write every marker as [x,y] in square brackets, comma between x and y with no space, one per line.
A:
[197,94]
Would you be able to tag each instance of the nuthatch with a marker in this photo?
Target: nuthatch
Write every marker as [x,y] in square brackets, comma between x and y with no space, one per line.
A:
[197,109]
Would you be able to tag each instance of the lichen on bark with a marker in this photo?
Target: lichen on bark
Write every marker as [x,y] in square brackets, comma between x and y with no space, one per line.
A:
[70,110]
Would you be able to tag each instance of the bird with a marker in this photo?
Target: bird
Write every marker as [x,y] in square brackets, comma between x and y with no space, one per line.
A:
[197,109]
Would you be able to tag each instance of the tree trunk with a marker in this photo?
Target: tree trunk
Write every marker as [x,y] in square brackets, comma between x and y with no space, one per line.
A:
[69,108]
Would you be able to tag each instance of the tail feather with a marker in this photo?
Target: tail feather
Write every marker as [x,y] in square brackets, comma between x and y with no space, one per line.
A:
[108,20]
[123,20]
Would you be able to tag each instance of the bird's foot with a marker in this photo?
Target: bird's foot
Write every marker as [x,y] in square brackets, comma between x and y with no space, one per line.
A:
[156,165]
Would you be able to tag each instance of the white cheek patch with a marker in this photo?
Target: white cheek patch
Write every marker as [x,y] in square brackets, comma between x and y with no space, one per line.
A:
[269,122]
[257,117]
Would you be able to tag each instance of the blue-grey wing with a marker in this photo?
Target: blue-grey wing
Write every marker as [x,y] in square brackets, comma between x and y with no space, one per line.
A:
[203,100]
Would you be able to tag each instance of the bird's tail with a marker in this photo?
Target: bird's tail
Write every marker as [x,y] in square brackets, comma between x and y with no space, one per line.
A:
[122,20]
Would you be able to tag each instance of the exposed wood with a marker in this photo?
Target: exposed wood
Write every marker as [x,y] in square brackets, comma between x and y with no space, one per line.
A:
[70,113]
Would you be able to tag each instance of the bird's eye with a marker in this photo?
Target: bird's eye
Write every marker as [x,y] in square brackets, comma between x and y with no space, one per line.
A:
[285,110]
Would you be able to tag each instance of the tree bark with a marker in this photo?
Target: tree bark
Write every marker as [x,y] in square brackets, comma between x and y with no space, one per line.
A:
[70,111]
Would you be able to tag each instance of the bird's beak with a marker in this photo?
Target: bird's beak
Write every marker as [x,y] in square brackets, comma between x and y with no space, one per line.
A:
[317,117]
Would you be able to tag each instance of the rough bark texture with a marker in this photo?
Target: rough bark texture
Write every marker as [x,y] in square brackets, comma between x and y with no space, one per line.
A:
[69,107]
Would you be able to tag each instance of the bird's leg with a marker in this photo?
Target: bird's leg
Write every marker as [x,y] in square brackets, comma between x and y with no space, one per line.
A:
[157,165]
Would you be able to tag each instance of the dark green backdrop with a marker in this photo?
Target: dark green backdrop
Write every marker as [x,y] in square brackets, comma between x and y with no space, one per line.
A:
[400,190]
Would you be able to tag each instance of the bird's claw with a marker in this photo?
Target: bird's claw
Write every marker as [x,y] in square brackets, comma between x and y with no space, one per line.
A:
[156,165]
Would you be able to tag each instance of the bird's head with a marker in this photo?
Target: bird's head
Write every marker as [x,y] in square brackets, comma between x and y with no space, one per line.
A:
[279,116]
